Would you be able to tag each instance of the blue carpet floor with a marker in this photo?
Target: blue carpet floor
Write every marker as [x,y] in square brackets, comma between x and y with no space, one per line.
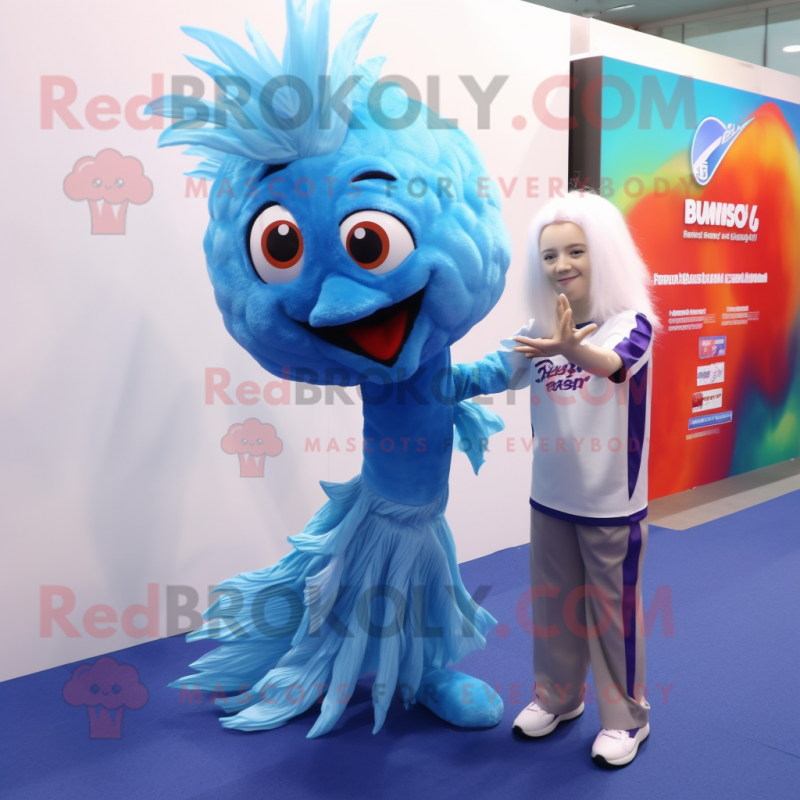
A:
[723,685]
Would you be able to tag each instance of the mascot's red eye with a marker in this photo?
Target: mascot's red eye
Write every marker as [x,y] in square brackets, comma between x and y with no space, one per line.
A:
[276,245]
[368,244]
[376,241]
[282,244]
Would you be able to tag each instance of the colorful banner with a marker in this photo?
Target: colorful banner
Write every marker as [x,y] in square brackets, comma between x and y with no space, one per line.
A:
[709,179]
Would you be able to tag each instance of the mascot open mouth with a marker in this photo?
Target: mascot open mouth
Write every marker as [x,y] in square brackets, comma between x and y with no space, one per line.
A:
[380,336]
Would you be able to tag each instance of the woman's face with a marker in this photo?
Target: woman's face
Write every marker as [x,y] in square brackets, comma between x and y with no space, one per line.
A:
[565,259]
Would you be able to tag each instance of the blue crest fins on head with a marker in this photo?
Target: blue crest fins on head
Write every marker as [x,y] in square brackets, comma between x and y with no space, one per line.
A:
[349,245]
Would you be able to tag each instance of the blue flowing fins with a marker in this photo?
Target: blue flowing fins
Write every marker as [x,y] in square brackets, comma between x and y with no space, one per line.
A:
[474,425]
[371,586]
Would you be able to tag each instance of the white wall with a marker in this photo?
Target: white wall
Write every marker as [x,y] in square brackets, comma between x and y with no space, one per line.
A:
[112,477]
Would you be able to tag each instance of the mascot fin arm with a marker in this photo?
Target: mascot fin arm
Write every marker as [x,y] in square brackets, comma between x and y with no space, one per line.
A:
[474,424]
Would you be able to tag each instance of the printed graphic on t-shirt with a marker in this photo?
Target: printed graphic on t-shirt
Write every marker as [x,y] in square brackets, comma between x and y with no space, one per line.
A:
[582,466]
[560,377]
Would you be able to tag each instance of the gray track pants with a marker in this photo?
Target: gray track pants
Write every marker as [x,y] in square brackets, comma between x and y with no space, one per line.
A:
[604,565]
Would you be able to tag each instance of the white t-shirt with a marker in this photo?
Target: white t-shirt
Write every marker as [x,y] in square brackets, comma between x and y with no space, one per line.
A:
[592,434]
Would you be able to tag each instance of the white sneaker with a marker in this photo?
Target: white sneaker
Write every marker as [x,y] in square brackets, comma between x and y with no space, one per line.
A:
[617,748]
[534,721]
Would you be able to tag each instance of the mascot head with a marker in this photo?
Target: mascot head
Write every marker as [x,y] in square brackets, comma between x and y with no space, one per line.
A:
[353,232]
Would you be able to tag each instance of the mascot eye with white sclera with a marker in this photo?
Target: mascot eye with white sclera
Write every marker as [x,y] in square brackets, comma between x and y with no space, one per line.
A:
[376,241]
[276,245]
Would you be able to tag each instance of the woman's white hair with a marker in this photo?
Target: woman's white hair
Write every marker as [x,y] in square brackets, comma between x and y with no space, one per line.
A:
[619,278]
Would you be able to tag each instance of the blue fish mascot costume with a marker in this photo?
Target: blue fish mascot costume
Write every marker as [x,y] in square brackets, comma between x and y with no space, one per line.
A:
[349,244]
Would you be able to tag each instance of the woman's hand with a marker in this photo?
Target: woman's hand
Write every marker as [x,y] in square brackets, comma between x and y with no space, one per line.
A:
[565,341]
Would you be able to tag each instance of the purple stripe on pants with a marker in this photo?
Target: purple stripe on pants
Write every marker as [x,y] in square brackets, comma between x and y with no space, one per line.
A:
[630,574]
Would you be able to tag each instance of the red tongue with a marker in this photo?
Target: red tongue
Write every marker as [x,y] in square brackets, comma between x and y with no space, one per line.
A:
[381,340]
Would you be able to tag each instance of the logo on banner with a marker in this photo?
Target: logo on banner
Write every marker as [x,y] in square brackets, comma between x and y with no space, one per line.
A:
[713,346]
[707,400]
[712,141]
[252,440]
[106,688]
[713,373]
[109,182]
[707,420]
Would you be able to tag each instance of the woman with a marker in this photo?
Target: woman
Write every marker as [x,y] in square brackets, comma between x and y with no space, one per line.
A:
[586,357]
